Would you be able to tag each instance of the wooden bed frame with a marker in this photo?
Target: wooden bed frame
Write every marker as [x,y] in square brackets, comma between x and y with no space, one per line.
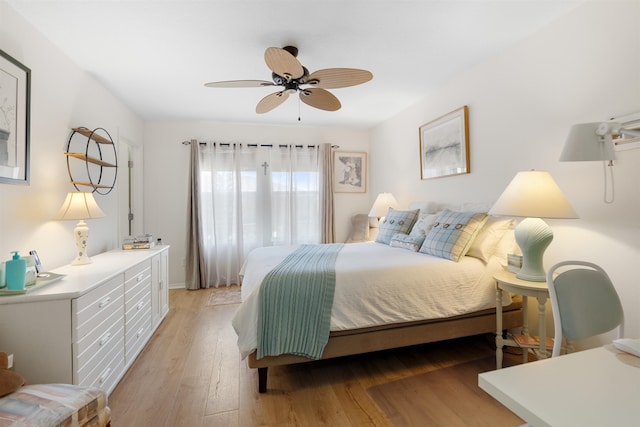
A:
[365,340]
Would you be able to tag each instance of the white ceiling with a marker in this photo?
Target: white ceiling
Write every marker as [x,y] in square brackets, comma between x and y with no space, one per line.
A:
[156,55]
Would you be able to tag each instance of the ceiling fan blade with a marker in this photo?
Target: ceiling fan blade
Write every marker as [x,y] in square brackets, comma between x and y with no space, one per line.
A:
[331,78]
[271,101]
[320,98]
[283,63]
[240,83]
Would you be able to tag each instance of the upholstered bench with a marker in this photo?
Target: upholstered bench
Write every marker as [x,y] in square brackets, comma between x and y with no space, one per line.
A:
[55,405]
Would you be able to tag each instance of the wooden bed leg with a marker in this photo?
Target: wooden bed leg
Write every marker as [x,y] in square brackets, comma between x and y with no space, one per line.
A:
[262,380]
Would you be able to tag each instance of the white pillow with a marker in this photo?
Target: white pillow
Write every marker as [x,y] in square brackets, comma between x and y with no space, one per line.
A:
[423,224]
[484,245]
[506,245]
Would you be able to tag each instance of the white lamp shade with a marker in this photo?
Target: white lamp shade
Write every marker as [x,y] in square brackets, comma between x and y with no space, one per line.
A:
[589,142]
[79,205]
[383,202]
[533,194]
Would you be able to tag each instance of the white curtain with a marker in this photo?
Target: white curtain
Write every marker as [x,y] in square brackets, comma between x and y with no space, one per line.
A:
[253,196]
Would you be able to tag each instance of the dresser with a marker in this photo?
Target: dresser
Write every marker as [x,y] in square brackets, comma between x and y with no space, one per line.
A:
[88,328]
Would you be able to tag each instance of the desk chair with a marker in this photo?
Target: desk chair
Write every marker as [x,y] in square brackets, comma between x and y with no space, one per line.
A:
[584,302]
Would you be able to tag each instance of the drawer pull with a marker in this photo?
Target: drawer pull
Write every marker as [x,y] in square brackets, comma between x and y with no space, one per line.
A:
[104,376]
[139,334]
[161,284]
[140,305]
[105,339]
[105,302]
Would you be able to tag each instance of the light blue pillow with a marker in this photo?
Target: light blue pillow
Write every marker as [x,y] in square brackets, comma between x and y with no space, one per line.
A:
[452,234]
[406,241]
[396,222]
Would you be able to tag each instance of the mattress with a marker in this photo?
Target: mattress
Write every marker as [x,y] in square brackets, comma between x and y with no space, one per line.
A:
[378,285]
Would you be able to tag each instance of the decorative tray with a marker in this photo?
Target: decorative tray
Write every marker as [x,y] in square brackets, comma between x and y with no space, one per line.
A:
[42,280]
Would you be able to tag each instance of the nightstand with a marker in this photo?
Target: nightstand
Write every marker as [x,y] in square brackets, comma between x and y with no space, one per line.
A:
[507,281]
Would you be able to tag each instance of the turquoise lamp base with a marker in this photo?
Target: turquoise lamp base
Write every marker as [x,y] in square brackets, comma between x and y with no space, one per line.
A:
[533,235]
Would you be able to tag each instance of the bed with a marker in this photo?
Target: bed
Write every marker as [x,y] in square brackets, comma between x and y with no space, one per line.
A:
[381,299]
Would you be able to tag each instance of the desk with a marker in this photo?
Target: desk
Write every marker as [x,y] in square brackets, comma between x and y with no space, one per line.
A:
[505,280]
[597,387]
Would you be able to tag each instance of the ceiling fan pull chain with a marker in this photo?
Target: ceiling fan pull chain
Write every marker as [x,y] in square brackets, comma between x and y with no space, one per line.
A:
[298,108]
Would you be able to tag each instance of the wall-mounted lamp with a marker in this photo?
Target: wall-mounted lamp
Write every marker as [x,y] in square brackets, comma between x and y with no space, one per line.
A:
[593,142]
[80,206]
[383,202]
[533,194]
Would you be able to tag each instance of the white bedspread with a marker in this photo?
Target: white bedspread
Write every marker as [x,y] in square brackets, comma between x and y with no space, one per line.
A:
[377,284]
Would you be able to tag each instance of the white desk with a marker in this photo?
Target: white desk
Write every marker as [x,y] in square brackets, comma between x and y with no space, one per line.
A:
[597,387]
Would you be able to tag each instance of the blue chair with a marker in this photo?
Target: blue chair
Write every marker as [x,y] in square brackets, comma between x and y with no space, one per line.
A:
[584,302]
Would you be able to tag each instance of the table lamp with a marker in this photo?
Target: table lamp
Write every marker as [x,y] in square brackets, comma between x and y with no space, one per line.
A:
[534,195]
[383,202]
[80,206]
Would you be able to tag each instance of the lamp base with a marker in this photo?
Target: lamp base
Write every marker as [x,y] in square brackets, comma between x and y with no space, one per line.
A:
[533,235]
[81,234]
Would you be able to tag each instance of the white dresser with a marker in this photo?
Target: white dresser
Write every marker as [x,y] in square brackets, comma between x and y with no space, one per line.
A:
[88,328]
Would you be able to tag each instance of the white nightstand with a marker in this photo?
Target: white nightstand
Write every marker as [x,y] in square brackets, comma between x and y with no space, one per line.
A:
[508,281]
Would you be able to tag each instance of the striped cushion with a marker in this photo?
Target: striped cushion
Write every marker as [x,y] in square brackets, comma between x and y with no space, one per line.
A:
[55,405]
[452,234]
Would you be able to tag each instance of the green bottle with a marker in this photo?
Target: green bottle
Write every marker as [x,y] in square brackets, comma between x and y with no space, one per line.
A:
[16,270]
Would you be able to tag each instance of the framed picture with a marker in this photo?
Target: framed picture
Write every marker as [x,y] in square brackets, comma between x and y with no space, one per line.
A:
[15,91]
[444,145]
[349,172]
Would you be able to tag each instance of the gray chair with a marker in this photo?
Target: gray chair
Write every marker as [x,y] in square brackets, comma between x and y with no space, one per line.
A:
[584,302]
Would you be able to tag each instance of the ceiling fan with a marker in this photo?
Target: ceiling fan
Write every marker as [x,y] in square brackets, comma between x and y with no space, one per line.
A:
[289,73]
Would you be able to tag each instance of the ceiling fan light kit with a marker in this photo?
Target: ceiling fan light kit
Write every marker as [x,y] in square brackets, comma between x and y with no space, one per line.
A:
[291,75]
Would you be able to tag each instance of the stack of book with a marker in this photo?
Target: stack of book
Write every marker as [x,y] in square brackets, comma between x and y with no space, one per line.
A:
[527,341]
[138,242]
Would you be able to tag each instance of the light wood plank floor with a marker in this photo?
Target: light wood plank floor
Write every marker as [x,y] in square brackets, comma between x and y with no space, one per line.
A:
[191,374]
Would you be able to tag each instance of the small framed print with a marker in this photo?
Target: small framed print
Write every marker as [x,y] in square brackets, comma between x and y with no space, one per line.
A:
[349,172]
[444,145]
[15,87]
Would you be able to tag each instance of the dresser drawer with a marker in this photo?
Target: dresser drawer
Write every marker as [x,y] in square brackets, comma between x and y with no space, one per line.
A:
[137,274]
[137,334]
[93,345]
[99,369]
[113,311]
[137,305]
[100,302]
[109,377]
[134,294]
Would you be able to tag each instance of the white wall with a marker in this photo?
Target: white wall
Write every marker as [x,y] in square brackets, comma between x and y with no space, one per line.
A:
[166,166]
[62,96]
[584,67]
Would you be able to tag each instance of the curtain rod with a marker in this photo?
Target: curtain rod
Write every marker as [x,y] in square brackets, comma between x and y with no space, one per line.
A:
[261,145]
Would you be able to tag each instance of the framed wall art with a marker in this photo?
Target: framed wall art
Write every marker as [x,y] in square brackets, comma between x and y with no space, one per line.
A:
[349,172]
[444,145]
[15,93]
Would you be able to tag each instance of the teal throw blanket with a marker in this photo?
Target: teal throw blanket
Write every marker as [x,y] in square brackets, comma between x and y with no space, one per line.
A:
[296,299]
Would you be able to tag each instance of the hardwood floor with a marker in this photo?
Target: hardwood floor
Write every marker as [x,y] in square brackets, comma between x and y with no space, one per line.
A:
[191,374]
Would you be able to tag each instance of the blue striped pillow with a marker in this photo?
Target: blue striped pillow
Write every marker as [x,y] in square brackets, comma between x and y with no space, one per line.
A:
[452,233]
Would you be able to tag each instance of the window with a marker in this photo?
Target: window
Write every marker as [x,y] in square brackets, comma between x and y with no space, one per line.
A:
[256,196]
